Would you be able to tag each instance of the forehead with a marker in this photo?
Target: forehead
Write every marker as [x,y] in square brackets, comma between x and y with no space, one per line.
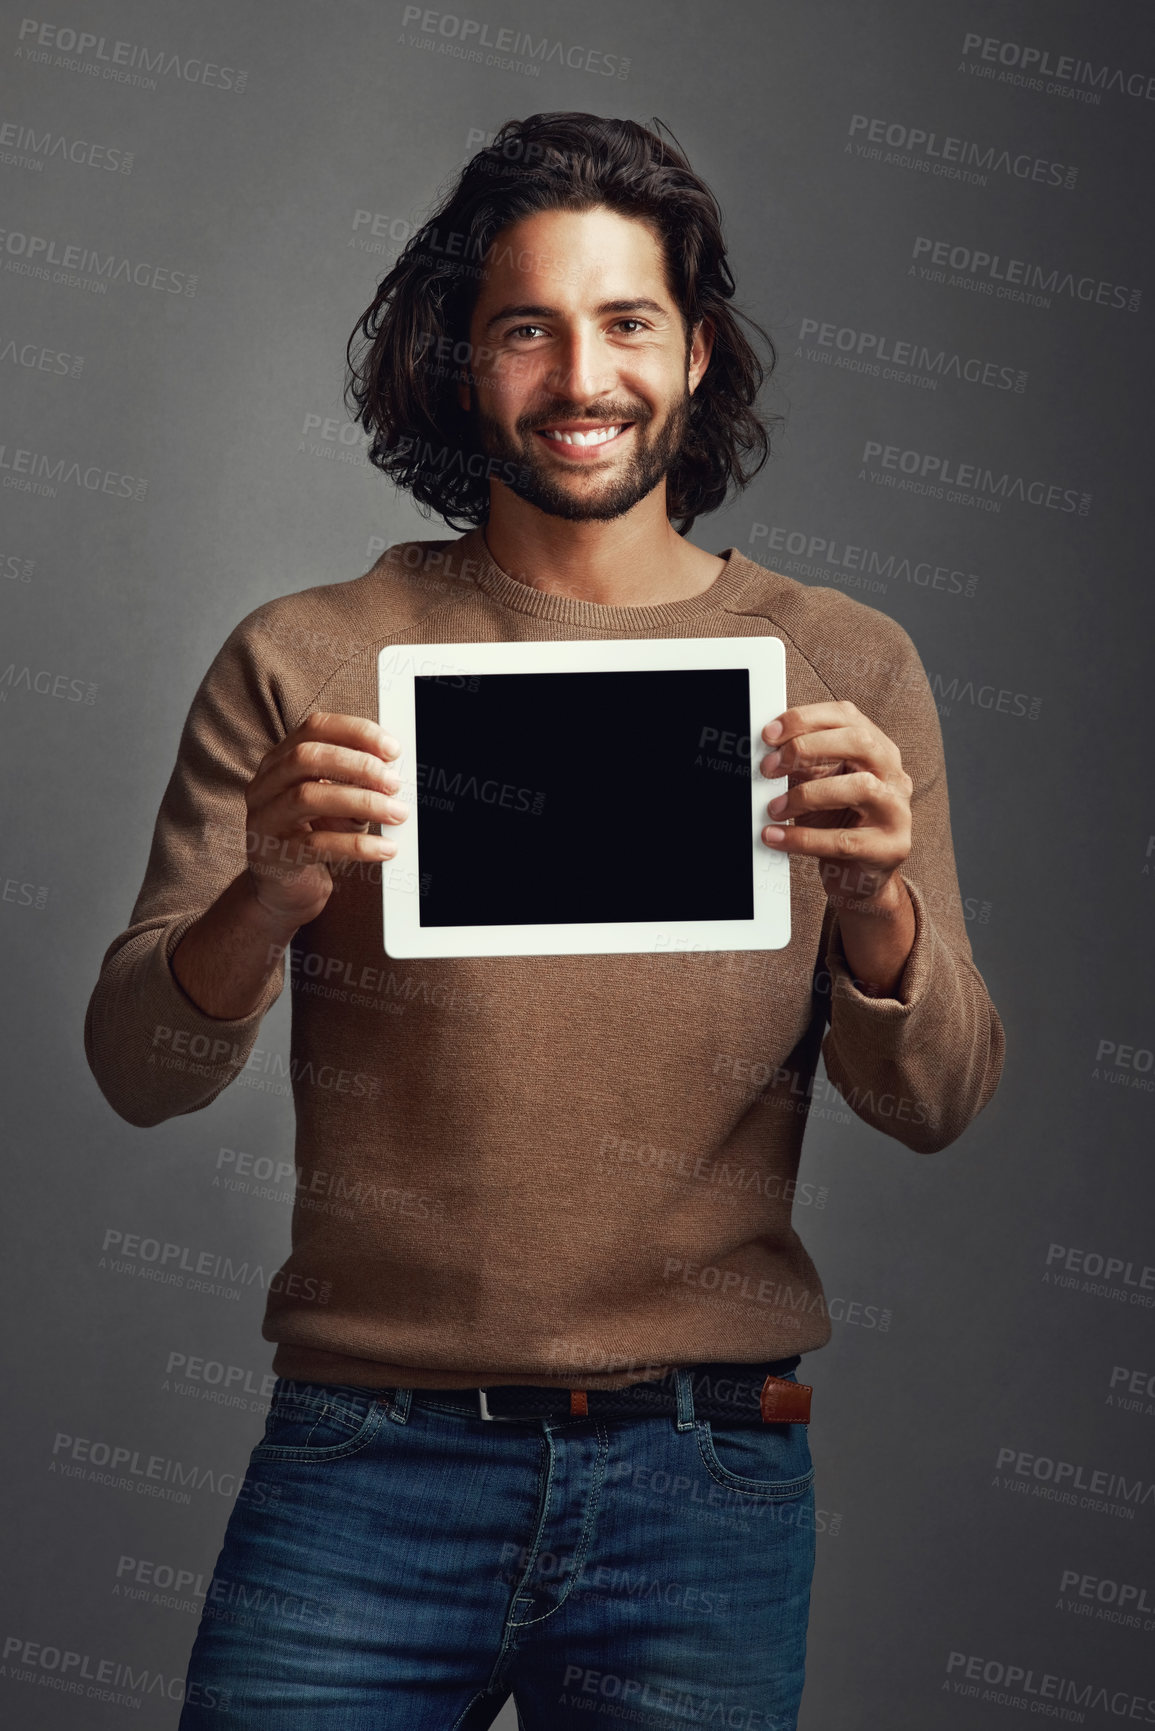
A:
[570,258]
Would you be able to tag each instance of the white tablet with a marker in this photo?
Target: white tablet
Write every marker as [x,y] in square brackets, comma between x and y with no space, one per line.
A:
[580,798]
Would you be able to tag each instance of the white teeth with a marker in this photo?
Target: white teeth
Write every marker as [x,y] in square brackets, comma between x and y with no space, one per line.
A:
[597,437]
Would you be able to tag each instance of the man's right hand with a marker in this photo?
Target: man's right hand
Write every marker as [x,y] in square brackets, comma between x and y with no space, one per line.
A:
[310,805]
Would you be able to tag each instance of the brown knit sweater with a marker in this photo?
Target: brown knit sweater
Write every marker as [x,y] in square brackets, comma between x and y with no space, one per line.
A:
[564,1169]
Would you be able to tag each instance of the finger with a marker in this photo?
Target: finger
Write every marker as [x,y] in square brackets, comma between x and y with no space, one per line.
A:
[863,791]
[871,847]
[327,847]
[307,801]
[804,717]
[860,743]
[354,731]
[315,760]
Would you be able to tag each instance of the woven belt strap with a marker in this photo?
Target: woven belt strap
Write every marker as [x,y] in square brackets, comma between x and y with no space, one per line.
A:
[728,1393]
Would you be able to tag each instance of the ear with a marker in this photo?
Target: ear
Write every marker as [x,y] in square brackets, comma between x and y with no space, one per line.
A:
[463,396]
[701,347]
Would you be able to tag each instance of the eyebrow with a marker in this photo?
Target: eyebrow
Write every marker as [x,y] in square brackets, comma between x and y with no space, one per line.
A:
[525,311]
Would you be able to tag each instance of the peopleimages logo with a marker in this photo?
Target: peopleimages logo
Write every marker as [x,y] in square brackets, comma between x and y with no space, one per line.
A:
[905,361]
[116,1681]
[1023,1687]
[1071,1482]
[1108,1601]
[963,483]
[123,62]
[948,157]
[1100,1276]
[1015,279]
[24,147]
[1015,63]
[168,1263]
[465,38]
[42,472]
[51,260]
[859,567]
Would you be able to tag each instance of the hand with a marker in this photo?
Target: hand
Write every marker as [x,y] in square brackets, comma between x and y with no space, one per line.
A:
[849,798]
[310,805]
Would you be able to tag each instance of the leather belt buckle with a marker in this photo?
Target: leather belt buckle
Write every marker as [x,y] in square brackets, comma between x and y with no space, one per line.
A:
[483,1406]
[783,1402]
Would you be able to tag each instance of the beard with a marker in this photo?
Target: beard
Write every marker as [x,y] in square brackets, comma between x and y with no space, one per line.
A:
[540,484]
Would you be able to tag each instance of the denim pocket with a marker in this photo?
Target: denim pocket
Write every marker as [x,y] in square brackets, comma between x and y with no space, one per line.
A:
[318,1421]
[768,1460]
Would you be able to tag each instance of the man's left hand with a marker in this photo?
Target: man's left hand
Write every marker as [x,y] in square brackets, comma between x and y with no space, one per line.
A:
[849,799]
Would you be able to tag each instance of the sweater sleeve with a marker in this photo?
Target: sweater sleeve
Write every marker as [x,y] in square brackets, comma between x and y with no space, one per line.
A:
[154,1053]
[923,1062]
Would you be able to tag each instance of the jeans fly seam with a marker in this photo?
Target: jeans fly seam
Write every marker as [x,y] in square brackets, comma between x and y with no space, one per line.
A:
[545,1491]
[587,1527]
[591,1516]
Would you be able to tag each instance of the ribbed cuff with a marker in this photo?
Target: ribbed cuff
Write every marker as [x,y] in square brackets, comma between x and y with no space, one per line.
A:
[913,984]
[167,999]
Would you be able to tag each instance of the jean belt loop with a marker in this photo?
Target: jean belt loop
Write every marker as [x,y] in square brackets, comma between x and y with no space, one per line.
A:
[684,1384]
[400,1404]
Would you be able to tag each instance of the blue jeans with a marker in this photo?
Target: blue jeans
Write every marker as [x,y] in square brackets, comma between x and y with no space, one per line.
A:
[396,1565]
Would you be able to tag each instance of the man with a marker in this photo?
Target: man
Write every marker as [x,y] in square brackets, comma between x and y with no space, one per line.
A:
[537,1425]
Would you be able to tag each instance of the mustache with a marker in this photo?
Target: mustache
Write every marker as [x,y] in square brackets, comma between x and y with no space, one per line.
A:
[597,416]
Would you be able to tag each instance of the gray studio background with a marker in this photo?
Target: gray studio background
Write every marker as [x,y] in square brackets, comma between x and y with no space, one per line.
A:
[174,451]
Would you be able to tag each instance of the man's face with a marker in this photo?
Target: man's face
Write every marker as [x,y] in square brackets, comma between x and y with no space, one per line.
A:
[582,380]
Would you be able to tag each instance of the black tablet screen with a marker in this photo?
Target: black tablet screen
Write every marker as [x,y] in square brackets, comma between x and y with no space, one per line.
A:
[557,798]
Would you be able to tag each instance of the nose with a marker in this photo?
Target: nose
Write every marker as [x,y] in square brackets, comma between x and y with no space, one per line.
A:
[583,368]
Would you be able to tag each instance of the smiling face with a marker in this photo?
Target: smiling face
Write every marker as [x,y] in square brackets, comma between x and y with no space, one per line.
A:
[581,375]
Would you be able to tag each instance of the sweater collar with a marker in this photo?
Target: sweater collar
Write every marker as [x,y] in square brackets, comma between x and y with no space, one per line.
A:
[511,592]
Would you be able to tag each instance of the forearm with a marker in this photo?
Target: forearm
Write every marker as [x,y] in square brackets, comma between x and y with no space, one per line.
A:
[224,961]
[877,936]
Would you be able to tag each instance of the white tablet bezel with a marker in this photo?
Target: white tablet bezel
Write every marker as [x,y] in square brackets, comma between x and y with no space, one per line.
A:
[398,665]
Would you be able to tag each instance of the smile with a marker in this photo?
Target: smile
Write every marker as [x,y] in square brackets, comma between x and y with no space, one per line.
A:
[587,440]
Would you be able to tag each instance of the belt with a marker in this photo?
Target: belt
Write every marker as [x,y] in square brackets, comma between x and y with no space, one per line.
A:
[727,1392]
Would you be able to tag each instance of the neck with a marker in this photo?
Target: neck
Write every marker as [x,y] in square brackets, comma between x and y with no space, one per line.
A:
[637,560]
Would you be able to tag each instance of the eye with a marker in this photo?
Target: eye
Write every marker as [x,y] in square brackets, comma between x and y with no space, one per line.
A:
[519,330]
[638,322]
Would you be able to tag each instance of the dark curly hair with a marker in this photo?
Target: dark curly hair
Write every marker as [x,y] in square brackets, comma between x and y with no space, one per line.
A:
[402,387]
